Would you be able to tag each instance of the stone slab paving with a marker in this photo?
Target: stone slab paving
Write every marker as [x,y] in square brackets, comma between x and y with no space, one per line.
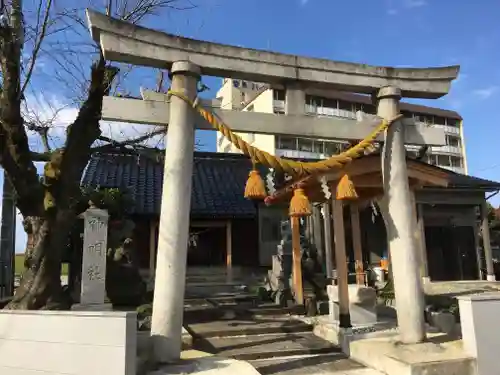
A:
[267,346]
[333,364]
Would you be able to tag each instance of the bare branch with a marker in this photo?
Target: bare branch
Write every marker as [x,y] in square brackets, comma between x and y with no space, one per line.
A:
[38,44]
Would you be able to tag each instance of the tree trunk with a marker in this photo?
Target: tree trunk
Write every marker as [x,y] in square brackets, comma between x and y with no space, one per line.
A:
[40,286]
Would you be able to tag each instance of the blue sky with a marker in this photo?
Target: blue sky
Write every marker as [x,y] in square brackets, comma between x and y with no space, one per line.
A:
[404,33]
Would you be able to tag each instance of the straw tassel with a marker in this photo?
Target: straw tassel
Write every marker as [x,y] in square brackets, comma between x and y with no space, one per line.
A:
[346,189]
[255,187]
[299,204]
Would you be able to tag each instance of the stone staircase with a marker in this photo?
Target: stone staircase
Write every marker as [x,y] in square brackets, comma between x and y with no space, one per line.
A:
[267,336]
[204,282]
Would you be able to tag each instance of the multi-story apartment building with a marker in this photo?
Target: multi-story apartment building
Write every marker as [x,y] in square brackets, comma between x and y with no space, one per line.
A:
[252,96]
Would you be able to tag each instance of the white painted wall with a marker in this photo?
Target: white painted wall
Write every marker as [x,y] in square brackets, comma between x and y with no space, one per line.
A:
[67,342]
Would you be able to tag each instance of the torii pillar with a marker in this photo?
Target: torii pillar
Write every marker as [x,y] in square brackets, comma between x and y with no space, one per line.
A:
[402,245]
[171,259]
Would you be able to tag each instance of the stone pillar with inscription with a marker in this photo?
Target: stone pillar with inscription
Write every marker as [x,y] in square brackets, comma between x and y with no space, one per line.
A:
[93,280]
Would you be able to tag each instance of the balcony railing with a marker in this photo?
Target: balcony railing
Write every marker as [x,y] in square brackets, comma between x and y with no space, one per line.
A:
[332,112]
[448,129]
[446,150]
[295,154]
[279,105]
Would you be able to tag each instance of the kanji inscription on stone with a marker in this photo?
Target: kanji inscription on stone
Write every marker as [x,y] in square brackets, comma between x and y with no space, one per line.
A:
[93,285]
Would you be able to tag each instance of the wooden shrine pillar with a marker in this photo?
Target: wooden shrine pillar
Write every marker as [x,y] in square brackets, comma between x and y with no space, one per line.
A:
[229,251]
[341,263]
[297,261]
[357,244]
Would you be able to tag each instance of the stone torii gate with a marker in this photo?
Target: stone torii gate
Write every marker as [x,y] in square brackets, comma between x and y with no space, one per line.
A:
[187,60]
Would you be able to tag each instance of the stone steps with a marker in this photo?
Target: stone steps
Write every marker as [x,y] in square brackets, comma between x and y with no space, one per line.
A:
[261,346]
[267,336]
[239,326]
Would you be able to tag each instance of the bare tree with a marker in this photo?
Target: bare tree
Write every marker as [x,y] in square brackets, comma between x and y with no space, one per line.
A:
[48,204]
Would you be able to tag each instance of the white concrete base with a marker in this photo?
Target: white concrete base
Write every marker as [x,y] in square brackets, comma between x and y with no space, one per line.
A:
[143,341]
[362,304]
[480,327]
[67,342]
[435,357]
[491,278]
[93,307]
[331,332]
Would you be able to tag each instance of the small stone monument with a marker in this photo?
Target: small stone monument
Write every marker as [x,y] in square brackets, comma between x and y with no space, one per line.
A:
[93,280]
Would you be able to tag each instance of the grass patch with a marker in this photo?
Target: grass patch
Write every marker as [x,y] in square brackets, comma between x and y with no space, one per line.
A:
[19,265]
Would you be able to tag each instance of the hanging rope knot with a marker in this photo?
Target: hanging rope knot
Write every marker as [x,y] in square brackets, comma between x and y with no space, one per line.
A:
[299,204]
[255,187]
[346,189]
[291,167]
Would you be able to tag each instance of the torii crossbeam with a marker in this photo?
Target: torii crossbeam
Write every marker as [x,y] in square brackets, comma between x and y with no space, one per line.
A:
[187,60]
[153,110]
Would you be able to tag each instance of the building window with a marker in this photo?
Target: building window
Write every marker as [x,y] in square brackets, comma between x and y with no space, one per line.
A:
[318,147]
[452,122]
[370,109]
[305,144]
[456,161]
[346,106]
[244,84]
[357,107]
[330,103]
[278,94]
[333,148]
[452,141]
[439,120]
[431,159]
[443,160]
[314,101]
[287,143]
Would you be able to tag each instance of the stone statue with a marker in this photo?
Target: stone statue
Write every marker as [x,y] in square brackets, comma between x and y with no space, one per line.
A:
[279,277]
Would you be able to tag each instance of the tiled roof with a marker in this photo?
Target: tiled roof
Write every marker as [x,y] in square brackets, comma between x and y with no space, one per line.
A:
[462,181]
[218,183]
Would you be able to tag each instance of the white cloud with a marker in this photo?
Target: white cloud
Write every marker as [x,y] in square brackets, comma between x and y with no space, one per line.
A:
[53,112]
[414,3]
[486,92]
[304,2]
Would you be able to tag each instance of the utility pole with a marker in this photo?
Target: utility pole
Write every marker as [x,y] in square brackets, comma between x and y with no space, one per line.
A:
[8,226]
[7,239]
